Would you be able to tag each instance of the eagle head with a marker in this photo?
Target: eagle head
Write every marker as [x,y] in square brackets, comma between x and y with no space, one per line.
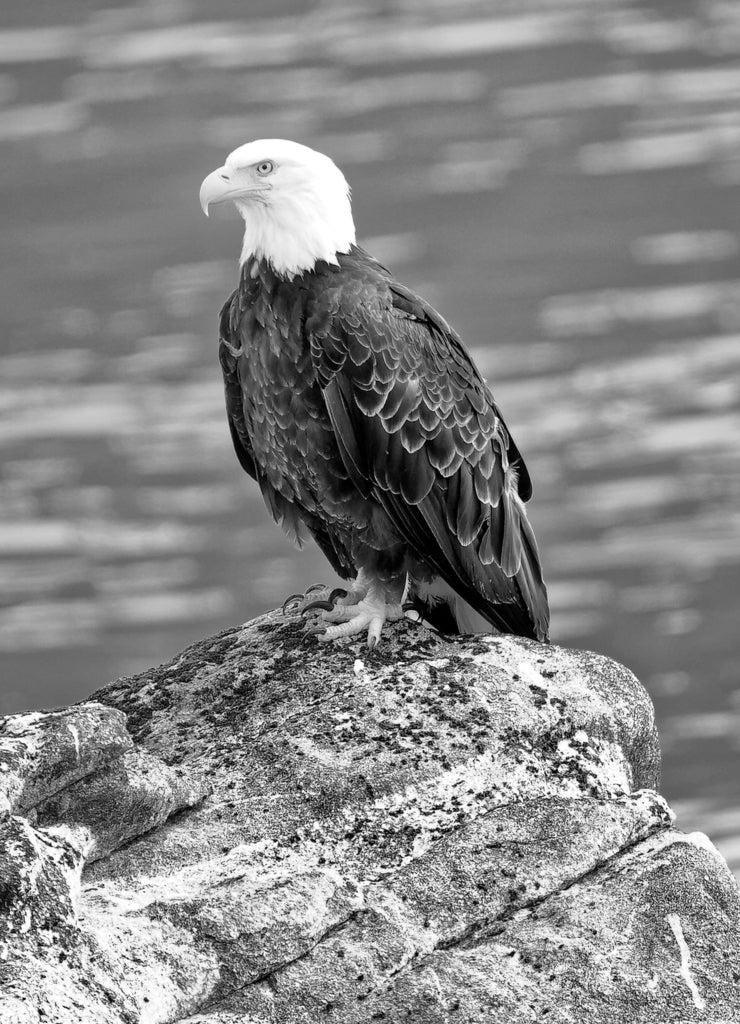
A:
[294,202]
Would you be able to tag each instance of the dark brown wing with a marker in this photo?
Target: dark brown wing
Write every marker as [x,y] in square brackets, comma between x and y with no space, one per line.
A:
[282,510]
[419,432]
[227,349]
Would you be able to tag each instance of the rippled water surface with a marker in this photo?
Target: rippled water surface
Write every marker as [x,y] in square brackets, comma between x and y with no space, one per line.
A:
[560,177]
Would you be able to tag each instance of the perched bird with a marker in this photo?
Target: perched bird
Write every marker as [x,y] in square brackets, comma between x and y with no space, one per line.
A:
[361,416]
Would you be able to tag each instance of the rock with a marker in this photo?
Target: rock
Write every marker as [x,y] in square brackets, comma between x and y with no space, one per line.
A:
[39,879]
[43,753]
[77,773]
[128,797]
[443,830]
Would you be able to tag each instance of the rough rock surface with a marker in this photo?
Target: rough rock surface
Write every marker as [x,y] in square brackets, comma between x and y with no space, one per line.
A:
[441,831]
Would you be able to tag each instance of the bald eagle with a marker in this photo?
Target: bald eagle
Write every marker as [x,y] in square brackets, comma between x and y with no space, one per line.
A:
[362,417]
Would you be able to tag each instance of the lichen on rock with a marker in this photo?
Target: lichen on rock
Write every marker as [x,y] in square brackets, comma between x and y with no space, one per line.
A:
[275,830]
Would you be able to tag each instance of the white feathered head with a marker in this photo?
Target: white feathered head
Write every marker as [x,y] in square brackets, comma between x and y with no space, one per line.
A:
[295,203]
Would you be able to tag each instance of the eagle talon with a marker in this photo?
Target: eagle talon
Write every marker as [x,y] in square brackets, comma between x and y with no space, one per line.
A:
[324,606]
[370,614]
[317,598]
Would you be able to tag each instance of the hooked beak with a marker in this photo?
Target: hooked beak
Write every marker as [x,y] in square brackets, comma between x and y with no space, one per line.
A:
[219,186]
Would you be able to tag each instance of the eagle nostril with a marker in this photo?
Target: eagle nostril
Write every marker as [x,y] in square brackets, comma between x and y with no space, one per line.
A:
[224,177]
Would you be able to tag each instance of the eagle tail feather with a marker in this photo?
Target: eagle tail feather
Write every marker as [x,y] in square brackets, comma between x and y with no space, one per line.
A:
[530,582]
[466,600]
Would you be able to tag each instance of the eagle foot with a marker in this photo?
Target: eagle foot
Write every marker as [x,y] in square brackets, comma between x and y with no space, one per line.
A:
[371,614]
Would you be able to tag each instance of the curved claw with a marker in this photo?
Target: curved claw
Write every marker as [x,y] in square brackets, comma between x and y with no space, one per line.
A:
[324,606]
[314,587]
[295,600]
[336,593]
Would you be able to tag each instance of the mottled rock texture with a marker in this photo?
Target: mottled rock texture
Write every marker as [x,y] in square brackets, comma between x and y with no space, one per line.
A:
[273,830]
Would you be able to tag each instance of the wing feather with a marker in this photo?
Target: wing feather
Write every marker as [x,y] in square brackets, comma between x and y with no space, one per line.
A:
[232,328]
[419,432]
[233,391]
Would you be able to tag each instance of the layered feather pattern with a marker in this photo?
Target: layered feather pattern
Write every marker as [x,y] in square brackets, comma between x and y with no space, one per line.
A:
[360,413]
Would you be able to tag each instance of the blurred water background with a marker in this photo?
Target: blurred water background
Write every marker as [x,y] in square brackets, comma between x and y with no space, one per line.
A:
[560,177]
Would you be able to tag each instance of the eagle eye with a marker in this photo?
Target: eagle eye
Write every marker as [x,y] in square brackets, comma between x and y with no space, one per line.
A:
[265,167]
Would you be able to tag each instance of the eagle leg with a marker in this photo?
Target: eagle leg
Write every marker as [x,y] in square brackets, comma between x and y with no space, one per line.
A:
[380,604]
[358,590]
